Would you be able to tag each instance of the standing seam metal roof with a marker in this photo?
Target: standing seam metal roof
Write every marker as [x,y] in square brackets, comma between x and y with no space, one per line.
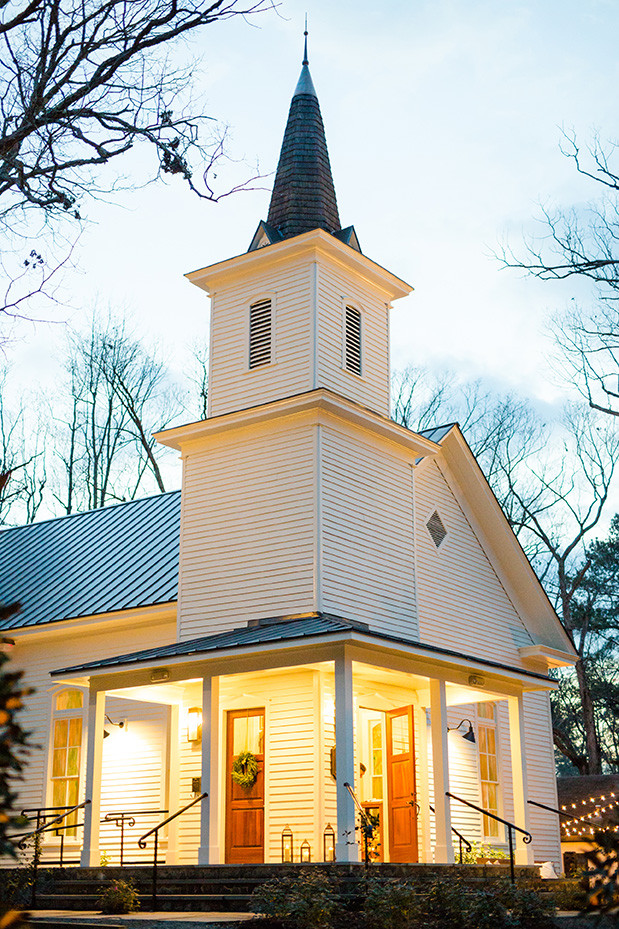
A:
[102,561]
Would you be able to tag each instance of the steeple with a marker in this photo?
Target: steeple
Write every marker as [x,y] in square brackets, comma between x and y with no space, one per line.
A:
[303,195]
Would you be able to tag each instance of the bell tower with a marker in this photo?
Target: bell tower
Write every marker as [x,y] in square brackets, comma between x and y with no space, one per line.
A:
[303,308]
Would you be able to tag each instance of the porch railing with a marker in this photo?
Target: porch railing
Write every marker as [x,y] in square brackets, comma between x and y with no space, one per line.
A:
[127,818]
[43,825]
[367,827]
[155,831]
[461,840]
[511,828]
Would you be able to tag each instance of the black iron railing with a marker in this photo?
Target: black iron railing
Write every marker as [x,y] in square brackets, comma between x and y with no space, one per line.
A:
[367,826]
[127,818]
[511,828]
[461,840]
[155,831]
[552,809]
[48,825]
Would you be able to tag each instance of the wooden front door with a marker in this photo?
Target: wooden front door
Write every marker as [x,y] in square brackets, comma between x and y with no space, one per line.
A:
[245,805]
[403,843]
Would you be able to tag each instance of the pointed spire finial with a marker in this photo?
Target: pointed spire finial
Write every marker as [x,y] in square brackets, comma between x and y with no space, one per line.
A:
[305,58]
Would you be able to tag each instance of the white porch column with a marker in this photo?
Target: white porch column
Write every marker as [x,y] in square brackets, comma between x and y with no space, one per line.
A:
[517,741]
[209,852]
[346,845]
[173,779]
[443,848]
[91,854]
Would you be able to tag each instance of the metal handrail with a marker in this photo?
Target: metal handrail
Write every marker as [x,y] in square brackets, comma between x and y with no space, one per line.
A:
[126,816]
[528,838]
[551,809]
[365,822]
[155,831]
[461,840]
[52,825]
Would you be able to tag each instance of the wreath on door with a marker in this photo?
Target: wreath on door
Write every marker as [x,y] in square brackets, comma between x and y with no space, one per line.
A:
[245,770]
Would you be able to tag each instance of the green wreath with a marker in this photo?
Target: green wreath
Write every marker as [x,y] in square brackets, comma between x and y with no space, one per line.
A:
[245,770]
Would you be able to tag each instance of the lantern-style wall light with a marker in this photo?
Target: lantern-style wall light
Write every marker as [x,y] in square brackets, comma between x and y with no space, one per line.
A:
[329,843]
[287,851]
[194,724]
[306,851]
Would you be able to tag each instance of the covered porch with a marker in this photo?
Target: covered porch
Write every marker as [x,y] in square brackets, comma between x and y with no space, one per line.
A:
[319,704]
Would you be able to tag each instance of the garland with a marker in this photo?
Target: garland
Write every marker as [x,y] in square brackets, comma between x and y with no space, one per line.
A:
[245,770]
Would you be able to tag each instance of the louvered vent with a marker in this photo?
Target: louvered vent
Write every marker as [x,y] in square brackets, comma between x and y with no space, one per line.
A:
[436,528]
[260,333]
[352,345]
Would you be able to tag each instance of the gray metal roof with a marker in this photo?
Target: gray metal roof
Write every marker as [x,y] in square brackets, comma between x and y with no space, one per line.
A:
[264,631]
[277,630]
[97,562]
[436,433]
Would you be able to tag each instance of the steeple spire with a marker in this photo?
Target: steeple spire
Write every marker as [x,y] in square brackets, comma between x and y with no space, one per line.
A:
[303,195]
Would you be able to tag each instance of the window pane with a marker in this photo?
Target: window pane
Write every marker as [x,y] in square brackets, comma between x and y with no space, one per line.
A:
[73,762]
[58,762]
[483,739]
[485,710]
[400,743]
[61,733]
[483,767]
[59,793]
[248,734]
[491,741]
[492,768]
[75,731]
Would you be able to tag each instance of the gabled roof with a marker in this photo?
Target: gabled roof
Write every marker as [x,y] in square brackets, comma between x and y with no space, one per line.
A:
[109,559]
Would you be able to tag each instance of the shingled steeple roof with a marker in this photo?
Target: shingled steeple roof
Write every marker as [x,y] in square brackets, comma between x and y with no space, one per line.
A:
[303,195]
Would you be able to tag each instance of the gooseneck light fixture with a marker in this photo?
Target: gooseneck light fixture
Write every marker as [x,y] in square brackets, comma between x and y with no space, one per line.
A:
[469,735]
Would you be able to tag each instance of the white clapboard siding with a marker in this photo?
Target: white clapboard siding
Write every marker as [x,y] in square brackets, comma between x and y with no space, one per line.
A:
[247,539]
[461,601]
[337,289]
[232,385]
[329,798]
[133,776]
[367,532]
[542,785]
[41,653]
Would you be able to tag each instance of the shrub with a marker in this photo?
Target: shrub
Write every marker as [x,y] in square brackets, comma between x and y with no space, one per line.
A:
[118,897]
[529,909]
[305,900]
[390,904]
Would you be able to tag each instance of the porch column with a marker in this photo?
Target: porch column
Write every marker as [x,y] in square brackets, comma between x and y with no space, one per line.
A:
[91,854]
[517,741]
[443,848]
[346,845]
[209,852]
[173,781]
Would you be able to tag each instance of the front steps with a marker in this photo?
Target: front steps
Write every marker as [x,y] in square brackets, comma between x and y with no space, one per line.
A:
[228,888]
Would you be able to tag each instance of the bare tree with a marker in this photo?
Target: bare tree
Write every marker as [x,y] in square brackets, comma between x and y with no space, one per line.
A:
[83,81]
[118,395]
[22,462]
[198,380]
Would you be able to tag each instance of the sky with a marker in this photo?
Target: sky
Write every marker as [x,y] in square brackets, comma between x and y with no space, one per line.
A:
[443,122]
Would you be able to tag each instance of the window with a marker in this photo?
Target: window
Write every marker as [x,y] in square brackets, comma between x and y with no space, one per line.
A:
[352,340]
[260,334]
[66,750]
[488,767]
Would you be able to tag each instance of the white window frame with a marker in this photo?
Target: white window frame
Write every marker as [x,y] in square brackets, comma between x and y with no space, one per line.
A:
[55,714]
[484,721]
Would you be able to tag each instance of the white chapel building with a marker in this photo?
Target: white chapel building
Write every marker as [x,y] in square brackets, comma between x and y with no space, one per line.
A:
[331,598]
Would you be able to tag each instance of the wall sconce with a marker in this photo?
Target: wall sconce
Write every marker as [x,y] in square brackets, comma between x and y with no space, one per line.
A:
[122,725]
[469,735]
[329,843]
[287,852]
[306,851]
[194,724]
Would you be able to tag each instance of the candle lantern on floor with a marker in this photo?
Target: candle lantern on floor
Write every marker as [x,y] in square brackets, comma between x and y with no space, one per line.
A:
[306,851]
[329,843]
[287,854]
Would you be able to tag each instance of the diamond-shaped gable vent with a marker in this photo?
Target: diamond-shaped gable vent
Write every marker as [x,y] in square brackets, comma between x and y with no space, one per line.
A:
[436,528]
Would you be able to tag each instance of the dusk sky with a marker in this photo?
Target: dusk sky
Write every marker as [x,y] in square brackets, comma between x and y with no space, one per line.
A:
[443,124]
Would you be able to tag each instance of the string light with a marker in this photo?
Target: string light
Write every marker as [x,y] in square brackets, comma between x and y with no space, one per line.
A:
[581,825]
